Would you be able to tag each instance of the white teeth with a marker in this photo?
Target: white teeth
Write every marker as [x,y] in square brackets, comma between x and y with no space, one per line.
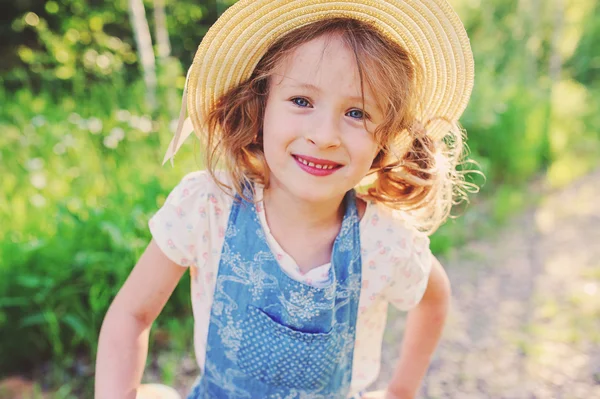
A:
[313,165]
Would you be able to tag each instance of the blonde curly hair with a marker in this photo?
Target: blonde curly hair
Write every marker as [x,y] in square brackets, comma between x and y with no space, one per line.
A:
[412,172]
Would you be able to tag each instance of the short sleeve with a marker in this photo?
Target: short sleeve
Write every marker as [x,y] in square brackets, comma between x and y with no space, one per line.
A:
[195,210]
[411,260]
[397,256]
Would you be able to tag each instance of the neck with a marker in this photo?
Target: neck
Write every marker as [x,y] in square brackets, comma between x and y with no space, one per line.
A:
[300,214]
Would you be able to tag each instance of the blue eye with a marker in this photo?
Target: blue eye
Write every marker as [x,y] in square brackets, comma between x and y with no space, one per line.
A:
[301,102]
[356,114]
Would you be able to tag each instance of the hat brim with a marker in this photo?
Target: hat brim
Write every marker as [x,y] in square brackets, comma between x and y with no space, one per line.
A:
[428,29]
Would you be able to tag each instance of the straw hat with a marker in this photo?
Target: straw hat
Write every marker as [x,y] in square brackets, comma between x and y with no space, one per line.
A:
[429,29]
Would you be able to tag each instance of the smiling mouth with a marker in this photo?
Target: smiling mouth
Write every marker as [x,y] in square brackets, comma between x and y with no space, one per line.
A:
[317,163]
[315,166]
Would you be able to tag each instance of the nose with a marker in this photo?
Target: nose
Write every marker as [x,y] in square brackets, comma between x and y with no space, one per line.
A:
[325,133]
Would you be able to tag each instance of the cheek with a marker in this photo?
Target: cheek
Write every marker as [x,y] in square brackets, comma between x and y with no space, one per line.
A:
[364,150]
[269,128]
[275,139]
[280,131]
[274,135]
[269,145]
[273,122]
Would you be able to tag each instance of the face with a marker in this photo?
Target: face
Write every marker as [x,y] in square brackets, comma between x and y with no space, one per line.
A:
[315,141]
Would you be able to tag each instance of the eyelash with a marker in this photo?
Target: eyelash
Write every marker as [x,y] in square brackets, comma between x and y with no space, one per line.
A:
[364,114]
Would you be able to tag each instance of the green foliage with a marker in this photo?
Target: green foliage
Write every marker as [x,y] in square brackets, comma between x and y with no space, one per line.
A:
[58,45]
[77,218]
[585,63]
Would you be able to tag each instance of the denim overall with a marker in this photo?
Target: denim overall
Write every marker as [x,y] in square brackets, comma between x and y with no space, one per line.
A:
[271,336]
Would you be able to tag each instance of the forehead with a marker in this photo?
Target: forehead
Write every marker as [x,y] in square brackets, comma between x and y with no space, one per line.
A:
[322,64]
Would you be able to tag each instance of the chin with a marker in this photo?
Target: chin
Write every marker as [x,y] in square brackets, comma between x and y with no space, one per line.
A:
[317,196]
[312,192]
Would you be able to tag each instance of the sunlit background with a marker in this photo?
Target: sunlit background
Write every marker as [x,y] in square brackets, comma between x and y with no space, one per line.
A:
[90,91]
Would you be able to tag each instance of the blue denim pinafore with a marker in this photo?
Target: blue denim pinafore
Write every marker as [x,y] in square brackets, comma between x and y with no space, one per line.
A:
[271,336]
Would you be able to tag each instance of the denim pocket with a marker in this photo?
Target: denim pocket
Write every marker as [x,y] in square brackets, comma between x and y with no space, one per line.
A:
[281,356]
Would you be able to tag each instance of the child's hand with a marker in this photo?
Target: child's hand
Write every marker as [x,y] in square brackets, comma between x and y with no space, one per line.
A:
[384,395]
[374,395]
[156,391]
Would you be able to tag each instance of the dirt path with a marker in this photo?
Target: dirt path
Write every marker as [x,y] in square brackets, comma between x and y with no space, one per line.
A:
[525,319]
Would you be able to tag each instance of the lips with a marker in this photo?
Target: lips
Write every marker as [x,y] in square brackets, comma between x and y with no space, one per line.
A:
[316,166]
[316,162]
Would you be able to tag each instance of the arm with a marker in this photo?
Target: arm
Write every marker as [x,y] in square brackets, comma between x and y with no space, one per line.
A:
[423,331]
[123,342]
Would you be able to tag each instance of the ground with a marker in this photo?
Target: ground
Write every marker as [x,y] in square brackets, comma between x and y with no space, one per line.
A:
[525,318]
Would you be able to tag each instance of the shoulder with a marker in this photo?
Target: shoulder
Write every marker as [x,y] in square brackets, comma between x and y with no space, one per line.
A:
[383,227]
[195,210]
[200,186]
[397,253]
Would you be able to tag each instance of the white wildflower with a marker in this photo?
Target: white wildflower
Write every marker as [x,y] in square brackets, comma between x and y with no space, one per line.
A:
[34,164]
[38,180]
[68,140]
[123,115]
[94,125]
[145,124]
[103,61]
[111,142]
[118,133]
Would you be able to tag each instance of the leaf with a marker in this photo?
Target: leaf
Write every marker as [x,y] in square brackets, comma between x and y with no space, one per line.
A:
[78,326]
[14,301]
[33,320]
[31,281]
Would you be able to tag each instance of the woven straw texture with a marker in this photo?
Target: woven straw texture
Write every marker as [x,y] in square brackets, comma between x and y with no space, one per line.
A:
[429,29]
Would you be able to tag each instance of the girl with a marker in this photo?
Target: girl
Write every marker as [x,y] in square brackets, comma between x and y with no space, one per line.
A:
[292,267]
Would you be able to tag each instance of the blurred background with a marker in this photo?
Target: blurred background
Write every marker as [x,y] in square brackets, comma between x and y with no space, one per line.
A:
[89,96]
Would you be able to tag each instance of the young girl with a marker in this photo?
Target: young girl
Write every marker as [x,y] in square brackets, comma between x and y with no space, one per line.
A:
[292,267]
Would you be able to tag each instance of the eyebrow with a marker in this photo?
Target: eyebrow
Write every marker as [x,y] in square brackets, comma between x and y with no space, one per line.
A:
[307,86]
[311,87]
